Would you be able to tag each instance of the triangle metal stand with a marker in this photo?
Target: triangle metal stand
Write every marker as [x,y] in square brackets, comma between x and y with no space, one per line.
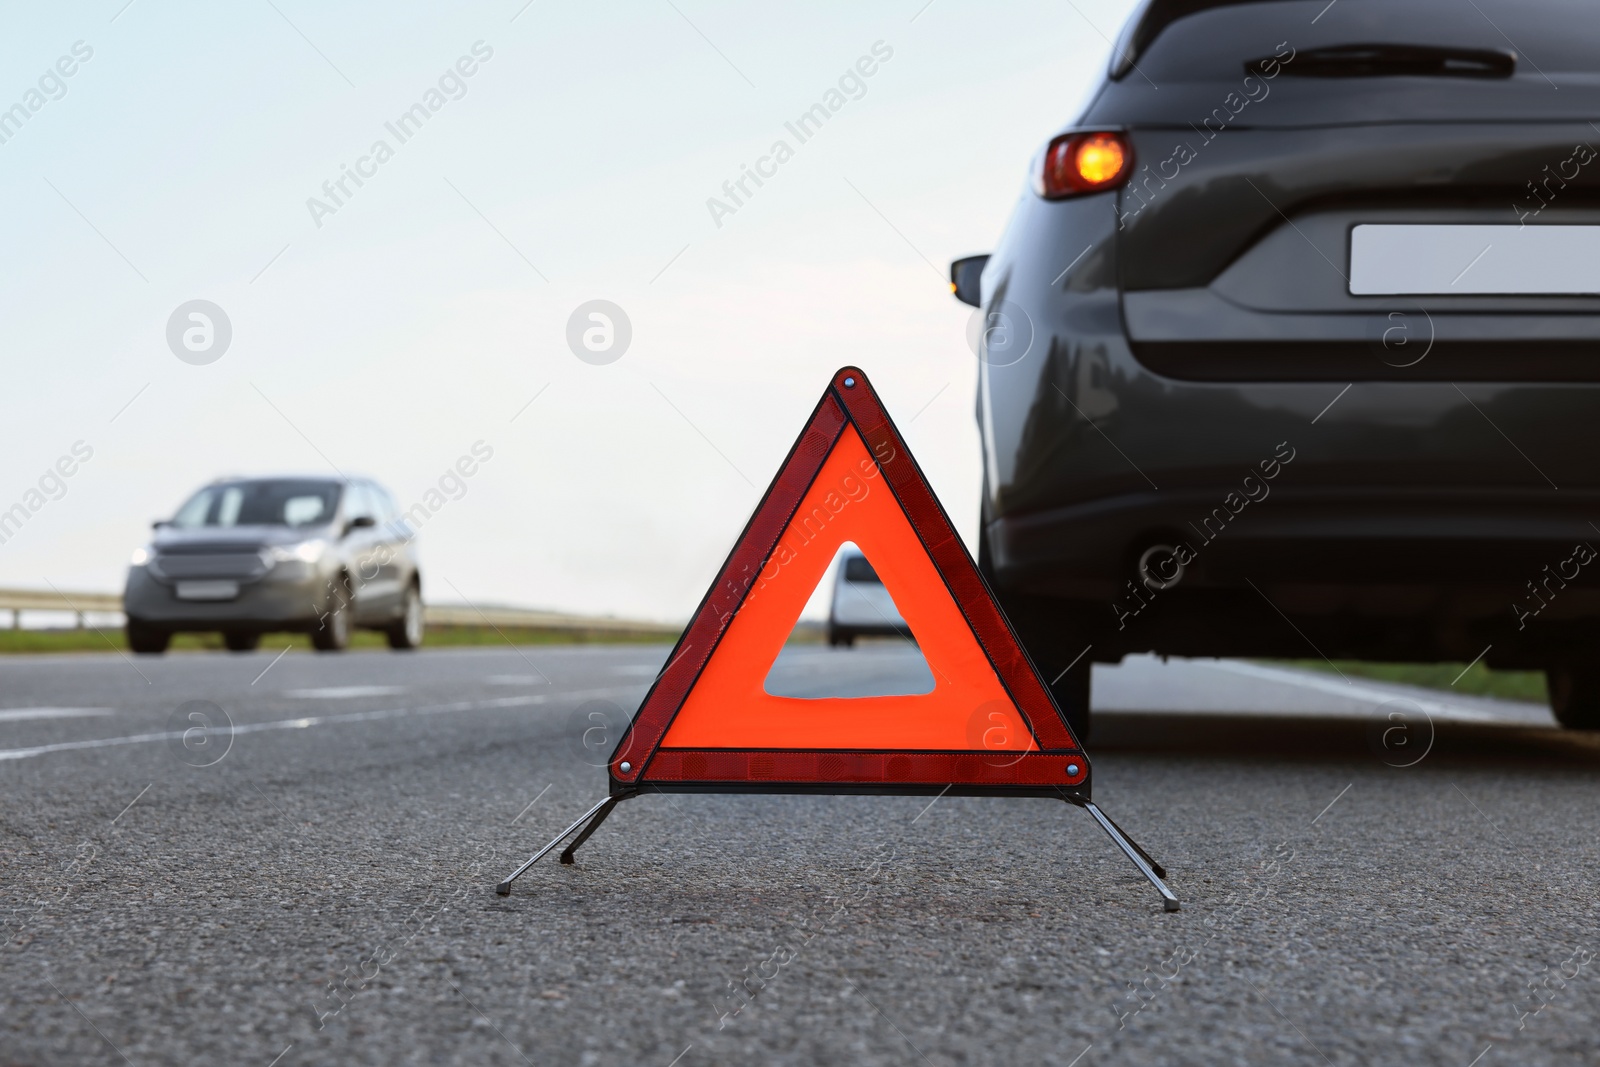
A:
[590,822]
[1130,848]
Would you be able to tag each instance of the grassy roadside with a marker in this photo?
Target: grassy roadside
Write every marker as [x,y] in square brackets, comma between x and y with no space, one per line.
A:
[1478,681]
[89,640]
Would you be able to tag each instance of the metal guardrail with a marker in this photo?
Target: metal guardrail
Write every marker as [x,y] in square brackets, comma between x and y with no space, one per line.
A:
[56,600]
[20,600]
[467,615]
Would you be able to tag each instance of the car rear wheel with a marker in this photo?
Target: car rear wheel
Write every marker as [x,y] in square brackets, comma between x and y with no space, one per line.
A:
[406,631]
[1054,633]
[241,641]
[1054,639]
[333,632]
[1575,696]
[1072,694]
[147,639]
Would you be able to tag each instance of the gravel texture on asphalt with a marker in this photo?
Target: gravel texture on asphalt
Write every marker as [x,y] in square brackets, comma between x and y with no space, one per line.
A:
[314,883]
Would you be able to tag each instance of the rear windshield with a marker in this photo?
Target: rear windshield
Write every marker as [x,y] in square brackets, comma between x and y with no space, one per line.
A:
[1186,41]
[274,502]
[857,569]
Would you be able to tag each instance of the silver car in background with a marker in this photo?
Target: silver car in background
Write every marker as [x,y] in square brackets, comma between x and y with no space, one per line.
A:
[861,605]
[248,556]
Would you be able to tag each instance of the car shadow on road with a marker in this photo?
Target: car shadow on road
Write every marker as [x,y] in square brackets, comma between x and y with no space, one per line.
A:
[1338,739]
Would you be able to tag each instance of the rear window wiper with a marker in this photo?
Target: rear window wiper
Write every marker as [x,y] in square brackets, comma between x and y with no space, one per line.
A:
[1391,60]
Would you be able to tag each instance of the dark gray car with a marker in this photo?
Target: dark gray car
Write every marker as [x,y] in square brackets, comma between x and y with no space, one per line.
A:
[1292,345]
[252,556]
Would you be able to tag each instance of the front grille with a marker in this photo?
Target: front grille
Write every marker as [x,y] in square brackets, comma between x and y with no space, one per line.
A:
[184,566]
[206,548]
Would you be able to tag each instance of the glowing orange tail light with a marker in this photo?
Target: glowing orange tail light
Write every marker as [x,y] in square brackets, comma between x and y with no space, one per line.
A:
[1077,163]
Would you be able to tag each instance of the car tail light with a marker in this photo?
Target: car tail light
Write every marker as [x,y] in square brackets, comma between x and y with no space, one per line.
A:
[1077,163]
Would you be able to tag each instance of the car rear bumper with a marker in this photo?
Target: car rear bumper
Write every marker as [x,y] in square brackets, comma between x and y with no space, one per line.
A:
[1399,574]
[1483,538]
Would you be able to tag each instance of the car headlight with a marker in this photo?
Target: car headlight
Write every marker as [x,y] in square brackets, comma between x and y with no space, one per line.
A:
[140,556]
[305,552]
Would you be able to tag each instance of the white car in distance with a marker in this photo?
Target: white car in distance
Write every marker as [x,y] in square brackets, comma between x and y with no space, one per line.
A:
[861,605]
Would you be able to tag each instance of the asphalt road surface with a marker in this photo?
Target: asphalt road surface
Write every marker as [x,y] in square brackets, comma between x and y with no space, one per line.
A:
[1370,875]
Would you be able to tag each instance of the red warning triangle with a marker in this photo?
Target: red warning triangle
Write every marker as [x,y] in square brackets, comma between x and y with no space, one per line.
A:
[989,725]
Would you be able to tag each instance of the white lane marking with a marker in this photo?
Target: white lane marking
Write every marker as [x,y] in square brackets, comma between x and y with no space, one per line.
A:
[16,714]
[345,692]
[1352,691]
[320,720]
[513,679]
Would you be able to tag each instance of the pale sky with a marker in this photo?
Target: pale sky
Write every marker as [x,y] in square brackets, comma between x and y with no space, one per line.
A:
[575,163]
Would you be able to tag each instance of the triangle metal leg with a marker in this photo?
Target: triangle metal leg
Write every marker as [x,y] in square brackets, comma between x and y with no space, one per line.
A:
[1146,866]
[594,824]
[1161,872]
[504,888]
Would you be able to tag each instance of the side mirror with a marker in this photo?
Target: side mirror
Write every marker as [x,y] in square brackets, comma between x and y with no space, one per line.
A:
[966,279]
[360,522]
[158,523]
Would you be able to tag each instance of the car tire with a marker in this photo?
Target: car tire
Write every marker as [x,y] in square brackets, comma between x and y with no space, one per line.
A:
[407,631]
[1055,644]
[1053,633]
[1072,693]
[146,639]
[1575,696]
[241,640]
[333,630]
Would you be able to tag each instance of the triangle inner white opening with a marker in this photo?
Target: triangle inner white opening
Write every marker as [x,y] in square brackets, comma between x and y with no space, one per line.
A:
[867,649]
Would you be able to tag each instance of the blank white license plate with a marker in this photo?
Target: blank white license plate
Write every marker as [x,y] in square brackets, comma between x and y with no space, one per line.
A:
[207,590]
[1474,260]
